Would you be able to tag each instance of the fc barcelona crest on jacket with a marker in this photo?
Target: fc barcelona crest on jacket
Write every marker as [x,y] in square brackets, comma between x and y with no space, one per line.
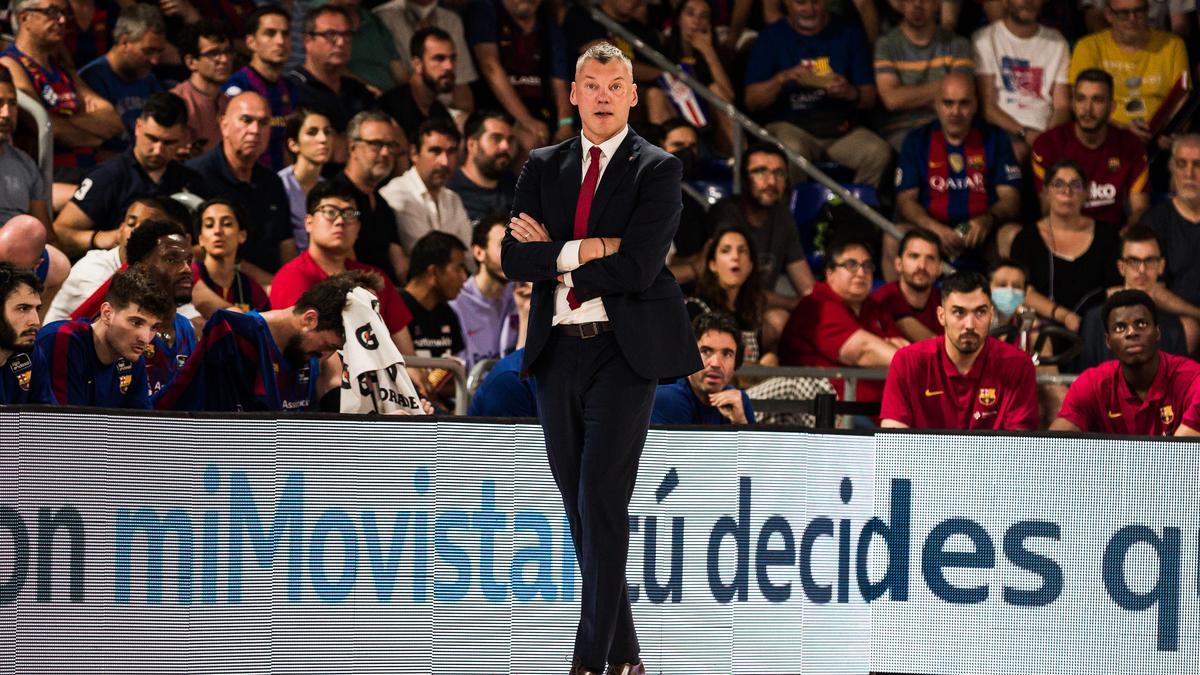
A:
[987,396]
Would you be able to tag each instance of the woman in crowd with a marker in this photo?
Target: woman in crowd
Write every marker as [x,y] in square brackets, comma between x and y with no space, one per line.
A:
[1071,260]
[729,282]
[309,138]
[219,231]
[691,45]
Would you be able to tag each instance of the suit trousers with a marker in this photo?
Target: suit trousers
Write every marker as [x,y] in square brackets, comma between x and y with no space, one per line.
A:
[595,411]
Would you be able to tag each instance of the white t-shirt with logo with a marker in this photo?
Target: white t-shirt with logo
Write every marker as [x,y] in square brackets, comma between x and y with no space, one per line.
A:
[1025,70]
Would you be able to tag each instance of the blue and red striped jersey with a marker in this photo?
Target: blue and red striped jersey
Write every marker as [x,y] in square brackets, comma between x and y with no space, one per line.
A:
[65,358]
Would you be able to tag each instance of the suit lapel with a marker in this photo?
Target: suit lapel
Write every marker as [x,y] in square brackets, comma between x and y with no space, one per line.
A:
[618,166]
[570,175]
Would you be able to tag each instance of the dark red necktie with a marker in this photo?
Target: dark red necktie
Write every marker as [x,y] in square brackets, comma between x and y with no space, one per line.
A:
[583,207]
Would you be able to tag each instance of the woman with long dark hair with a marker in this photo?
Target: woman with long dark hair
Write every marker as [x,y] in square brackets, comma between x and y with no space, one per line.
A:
[220,230]
[692,47]
[729,282]
[309,139]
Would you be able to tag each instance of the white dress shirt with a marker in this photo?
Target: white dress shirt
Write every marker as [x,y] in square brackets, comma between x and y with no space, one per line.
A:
[418,213]
[92,270]
[568,257]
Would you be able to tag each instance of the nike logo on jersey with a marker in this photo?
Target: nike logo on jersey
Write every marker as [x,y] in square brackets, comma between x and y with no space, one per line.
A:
[1113,415]
[929,393]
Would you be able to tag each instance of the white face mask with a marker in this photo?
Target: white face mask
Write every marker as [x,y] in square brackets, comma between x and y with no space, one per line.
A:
[1007,299]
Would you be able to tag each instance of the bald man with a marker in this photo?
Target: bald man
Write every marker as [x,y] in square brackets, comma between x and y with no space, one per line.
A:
[232,169]
[23,244]
[958,177]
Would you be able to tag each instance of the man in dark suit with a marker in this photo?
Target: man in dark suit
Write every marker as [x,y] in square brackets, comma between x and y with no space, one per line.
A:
[593,220]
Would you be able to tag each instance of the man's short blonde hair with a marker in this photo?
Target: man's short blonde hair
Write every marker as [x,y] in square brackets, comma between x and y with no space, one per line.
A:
[603,52]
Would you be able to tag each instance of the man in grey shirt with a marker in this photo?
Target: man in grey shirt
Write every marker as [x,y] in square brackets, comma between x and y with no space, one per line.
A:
[23,188]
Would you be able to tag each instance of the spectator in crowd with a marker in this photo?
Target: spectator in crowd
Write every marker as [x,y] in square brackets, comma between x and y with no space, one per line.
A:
[220,232]
[1174,16]
[24,189]
[98,265]
[958,178]
[324,82]
[419,197]
[374,58]
[208,55]
[912,299]
[173,269]
[376,145]
[232,169]
[1146,65]
[21,299]
[433,72]
[729,282]
[838,324]
[910,61]
[1177,220]
[123,76]
[309,138]
[436,277]
[1118,190]
[810,75]
[403,18]
[81,119]
[92,218]
[964,379]
[693,47]
[485,181]
[23,244]
[707,396]
[1141,264]
[334,225]
[1070,260]
[89,29]
[504,393]
[269,361]
[1022,70]
[582,31]
[681,139]
[487,313]
[521,52]
[268,36]
[163,249]
[762,209]
[100,363]
[1144,390]
[232,12]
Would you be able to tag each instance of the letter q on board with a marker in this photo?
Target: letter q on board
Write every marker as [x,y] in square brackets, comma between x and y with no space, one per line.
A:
[366,338]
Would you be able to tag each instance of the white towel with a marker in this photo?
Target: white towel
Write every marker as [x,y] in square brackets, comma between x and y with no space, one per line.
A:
[373,374]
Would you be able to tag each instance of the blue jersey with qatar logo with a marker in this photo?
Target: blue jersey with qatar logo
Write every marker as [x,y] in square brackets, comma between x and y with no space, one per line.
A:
[163,361]
[238,367]
[65,358]
[17,384]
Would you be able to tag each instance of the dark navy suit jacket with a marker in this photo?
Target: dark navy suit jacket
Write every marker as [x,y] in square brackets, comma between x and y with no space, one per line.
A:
[639,200]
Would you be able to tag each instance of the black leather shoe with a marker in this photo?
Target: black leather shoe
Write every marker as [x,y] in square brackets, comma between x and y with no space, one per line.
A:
[626,669]
[578,668]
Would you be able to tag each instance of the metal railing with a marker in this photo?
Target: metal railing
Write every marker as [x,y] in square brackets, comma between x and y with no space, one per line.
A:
[462,396]
[743,122]
[45,138]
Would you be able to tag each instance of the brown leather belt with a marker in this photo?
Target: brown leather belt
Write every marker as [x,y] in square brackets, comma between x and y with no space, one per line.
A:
[583,330]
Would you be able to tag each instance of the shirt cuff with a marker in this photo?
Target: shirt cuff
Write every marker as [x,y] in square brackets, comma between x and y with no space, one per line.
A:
[567,280]
[568,256]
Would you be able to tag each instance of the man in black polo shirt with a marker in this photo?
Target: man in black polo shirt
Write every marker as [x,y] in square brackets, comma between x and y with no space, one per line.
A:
[375,144]
[437,276]
[232,170]
[323,83]
[91,220]
[485,182]
[433,62]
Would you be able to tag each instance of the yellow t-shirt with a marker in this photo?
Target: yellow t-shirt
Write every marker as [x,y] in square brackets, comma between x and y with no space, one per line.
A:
[1141,79]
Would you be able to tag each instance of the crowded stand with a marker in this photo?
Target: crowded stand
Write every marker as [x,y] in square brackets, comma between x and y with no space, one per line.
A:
[228,176]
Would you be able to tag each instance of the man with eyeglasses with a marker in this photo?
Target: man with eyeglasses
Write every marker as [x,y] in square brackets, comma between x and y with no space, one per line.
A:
[1141,266]
[1146,65]
[82,119]
[124,75]
[92,218]
[232,169]
[1113,159]
[1144,390]
[207,53]
[1177,220]
[1174,16]
[762,209]
[324,83]
[268,38]
[376,145]
[964,379]
[420,199]
[334,225]
[839,325]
